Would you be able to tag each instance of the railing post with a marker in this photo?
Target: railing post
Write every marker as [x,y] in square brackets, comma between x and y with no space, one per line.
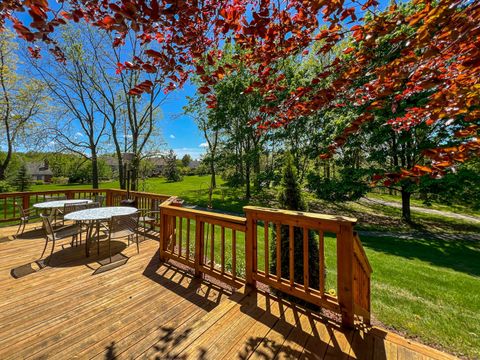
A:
[163,234]
[69,194]
[26,200]
[108,198]
[249,253]
[345,274]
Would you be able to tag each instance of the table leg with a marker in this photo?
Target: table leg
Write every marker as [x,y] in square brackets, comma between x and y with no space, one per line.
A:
[87,240]
[98,237]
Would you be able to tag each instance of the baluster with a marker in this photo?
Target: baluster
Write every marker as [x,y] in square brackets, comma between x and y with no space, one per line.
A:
[266,247]
[279,251]
[305,260]
[180,236]
[212,249]
[222,250]
[291,244]
[321,260]
[199,239]
[173,239]
[188,238]
[234,253]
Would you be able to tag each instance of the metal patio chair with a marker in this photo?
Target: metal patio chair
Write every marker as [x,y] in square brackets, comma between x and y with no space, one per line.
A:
[123,226]
[51,235]
[25,216]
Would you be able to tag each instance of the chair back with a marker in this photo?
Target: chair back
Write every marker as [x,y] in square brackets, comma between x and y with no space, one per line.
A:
[47,225]
[100,199]
[21,210]
[55,198]
[69,208]
[91,205]
[123,225]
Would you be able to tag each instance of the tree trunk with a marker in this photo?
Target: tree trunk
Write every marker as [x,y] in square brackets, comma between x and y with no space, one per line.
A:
[2,172]
[213,181]
[248,192]
[406,215]
[94,171]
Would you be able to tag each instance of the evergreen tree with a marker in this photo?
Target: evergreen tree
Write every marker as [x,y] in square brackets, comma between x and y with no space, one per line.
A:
[291,198]
[22,180]
[171,171]
[186,160]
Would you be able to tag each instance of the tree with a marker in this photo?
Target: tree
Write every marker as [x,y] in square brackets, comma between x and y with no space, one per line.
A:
[291,198]
[171,172]
[23,179]
[22,101]
[79,127]
[186,160]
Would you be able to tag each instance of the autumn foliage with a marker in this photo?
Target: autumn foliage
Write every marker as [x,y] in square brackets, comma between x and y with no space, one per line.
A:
[439,56]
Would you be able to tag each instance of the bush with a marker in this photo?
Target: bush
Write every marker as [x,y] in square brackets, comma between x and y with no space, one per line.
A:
[39,182]
[348,187]
[60,180]
[5,187]
[291,198]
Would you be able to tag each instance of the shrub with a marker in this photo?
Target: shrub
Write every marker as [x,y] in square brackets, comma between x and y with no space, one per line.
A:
[291,198]
[5,187]
[349,186]
[60,180]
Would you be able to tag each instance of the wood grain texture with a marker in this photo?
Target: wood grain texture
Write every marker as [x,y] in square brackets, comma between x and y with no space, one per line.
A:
[148,309]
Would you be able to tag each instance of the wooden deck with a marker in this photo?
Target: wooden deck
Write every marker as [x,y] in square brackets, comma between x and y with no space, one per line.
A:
[145,309]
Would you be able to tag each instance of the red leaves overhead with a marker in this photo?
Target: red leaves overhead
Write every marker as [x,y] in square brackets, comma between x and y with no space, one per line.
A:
[145,86]
[441,56]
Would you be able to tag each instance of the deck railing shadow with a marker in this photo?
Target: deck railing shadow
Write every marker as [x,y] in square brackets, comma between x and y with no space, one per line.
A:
[202,293]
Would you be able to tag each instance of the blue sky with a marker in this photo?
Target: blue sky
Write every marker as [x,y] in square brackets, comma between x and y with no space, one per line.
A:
[180,131]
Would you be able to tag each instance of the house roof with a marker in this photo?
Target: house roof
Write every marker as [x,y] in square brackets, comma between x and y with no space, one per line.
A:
[38,168]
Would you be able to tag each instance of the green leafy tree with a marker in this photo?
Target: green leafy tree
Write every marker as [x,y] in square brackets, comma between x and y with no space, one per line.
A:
[22,102]
[291,198]
[171,172]
[23,179]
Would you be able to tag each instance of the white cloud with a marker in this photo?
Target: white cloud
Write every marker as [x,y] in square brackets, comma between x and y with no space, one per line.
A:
[78,134]
[172,136]
[203,145]
[195,153]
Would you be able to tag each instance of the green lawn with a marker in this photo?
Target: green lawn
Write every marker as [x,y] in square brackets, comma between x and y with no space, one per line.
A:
[417,202]
[424,286]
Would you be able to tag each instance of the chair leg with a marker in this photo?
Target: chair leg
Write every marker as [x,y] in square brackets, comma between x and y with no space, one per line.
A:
[44,248]
[110,249]
[51,252]
[19,227]
[138,247]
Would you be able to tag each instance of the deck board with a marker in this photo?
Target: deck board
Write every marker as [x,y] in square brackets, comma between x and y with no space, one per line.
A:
[145,309]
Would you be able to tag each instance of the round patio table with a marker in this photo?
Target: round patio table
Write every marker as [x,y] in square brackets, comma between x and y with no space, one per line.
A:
[94,216]
[58,204]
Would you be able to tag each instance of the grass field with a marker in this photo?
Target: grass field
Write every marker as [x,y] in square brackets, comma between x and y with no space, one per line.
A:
[425,286]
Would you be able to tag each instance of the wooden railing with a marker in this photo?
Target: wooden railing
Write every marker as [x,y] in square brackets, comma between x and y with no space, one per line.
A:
[8,201]
[202,240]
[198,239]
[249,250]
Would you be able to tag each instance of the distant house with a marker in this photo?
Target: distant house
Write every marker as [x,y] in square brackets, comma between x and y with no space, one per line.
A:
[194,164]
[39,171]
[112,162]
